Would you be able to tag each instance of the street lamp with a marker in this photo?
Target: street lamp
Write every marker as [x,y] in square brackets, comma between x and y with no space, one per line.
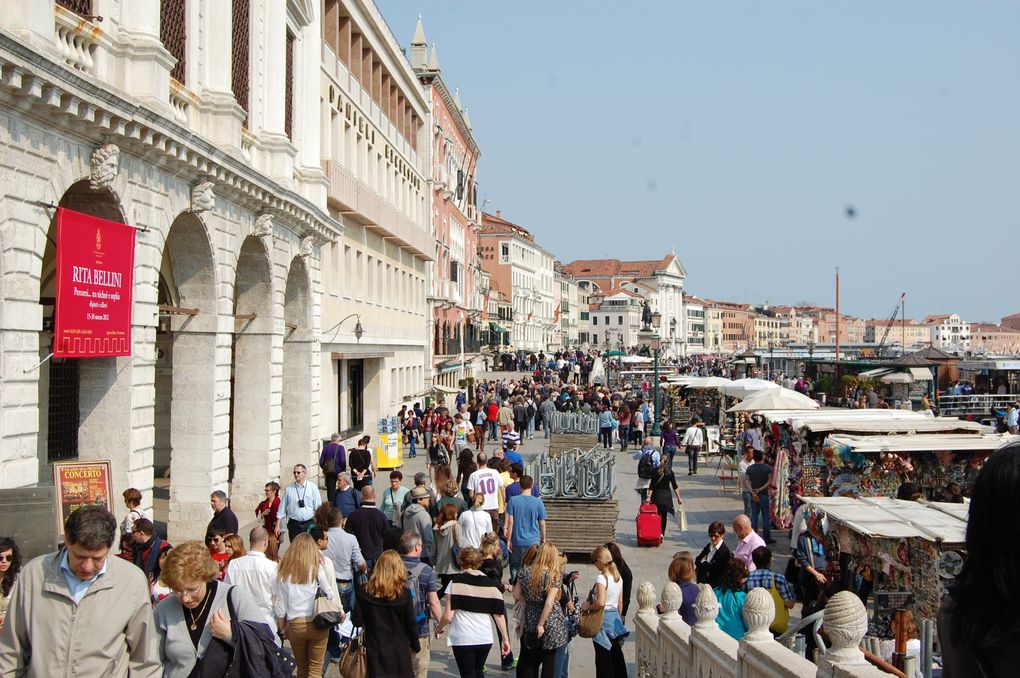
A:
[650,338]
[358,329]
[772,366]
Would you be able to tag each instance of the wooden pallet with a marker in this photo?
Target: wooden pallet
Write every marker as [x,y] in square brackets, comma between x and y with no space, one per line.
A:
[577,526]
[566,441]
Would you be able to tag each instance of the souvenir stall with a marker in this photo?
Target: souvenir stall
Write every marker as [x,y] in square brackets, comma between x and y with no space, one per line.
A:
[810,465]
[891,546]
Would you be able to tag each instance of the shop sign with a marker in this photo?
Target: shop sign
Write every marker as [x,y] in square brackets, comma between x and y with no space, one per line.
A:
[95,265]
[78,484]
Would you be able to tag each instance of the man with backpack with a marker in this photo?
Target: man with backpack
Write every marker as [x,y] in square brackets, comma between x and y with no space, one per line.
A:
[333,462]
[421,579]
[648,462]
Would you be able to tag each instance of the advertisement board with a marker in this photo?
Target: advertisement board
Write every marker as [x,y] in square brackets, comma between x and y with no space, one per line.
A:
[94,280]
[80,483]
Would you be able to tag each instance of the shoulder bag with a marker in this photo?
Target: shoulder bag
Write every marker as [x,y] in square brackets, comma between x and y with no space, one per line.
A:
[591,620]
[782,620]
[326,612]
[353,661]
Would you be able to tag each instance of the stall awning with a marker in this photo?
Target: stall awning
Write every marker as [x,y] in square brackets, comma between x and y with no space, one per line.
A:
[875,373]
[873,421]
[897,378]
[496,327]
[892,518]
[925,442]
[920,373]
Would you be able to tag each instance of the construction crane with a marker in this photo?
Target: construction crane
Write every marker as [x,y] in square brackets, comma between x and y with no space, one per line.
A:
[889,324]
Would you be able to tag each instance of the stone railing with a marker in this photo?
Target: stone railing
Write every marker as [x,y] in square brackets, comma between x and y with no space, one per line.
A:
[77,39]
[668,648]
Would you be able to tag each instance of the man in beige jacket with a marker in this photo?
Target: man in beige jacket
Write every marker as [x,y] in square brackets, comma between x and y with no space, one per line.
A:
[79,612]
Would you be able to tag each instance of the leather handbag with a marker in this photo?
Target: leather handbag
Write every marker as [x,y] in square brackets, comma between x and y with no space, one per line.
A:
[591,620]
[326,612]
[354,661]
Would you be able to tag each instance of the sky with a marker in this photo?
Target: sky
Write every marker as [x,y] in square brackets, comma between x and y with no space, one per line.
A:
[739,133]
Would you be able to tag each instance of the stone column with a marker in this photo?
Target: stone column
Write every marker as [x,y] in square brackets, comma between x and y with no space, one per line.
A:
[145,63]
[220,117]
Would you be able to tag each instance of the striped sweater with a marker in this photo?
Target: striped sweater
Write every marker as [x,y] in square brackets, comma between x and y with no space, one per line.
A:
[472,591]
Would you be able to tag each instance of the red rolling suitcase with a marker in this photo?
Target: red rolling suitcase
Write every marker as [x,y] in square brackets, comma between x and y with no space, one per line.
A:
[649,526]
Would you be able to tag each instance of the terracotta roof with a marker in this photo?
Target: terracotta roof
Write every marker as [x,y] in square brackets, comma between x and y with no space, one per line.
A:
[929,319]
[493,224]
[991,327]
[605,268]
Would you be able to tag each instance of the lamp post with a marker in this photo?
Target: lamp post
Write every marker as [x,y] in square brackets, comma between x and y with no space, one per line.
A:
[810,351]
[358,329]
[650,338]
[672,335]
[772,366]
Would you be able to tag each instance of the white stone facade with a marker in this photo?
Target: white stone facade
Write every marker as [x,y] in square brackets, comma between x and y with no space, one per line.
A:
[222,383]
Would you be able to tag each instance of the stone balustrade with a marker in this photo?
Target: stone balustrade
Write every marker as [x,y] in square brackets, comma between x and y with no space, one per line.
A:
[668,648]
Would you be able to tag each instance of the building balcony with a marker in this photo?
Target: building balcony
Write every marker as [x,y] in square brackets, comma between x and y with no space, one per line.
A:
[358,202]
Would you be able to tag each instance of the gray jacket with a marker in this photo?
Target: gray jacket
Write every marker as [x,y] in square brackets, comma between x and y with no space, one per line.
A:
[176,651]
[417,519]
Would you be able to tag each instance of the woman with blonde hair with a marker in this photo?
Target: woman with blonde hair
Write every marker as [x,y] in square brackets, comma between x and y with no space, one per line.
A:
[471,599]
[608,595]
[540,586]
[196,615]
[299,577]
[474,523]
[385,610]
[683,573]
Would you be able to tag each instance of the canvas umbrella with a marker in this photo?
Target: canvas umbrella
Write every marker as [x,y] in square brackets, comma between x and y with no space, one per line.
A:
[775,399]
[741,388]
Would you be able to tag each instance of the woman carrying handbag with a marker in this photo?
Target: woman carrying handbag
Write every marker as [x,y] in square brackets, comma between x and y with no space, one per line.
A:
[384,610]
[300,580]
[606,597]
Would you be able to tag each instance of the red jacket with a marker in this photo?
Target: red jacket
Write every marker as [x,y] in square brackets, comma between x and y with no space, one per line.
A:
[493,412]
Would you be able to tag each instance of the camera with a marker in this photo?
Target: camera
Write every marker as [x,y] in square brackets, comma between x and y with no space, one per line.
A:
[301,503]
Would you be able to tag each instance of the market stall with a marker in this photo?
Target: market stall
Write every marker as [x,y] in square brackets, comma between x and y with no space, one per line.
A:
[891,545]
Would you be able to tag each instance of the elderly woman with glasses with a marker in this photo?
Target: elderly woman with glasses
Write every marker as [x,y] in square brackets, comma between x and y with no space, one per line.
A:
[196,616]
[710,565]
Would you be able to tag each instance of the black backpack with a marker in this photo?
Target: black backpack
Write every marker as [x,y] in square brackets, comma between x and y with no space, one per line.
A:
[645,467]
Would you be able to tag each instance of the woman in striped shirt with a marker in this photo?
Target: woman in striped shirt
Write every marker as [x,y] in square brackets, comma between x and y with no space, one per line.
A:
[471,599]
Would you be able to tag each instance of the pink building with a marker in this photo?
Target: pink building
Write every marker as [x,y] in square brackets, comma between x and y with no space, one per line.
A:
[455,286]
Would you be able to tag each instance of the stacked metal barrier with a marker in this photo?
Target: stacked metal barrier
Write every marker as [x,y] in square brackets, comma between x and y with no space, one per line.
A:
[573,422]
[575,474]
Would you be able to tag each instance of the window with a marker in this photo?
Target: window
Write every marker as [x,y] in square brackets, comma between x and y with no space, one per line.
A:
[355,394]
[504,253]
[594,320]
[239,54]
[619,320]
[454,270]
[173,34]
[288,96]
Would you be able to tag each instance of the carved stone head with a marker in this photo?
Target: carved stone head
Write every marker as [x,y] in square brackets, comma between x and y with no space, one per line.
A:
[759,612]
[306,246]
[202,197]
[103,166]
[672,598]
[264,225]
[706,607]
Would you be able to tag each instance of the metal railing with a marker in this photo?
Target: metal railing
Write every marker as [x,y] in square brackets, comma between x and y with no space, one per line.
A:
[979,404]
[572,422]
[575,474]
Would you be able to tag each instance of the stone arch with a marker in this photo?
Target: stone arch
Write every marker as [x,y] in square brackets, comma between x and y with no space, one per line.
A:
[254,420]
[299,351]
[188,444]
[82,402]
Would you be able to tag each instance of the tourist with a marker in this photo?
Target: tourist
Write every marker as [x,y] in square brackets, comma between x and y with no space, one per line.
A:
[694,438]
[474,523]
[451,495]
[711,563]
[485,481]
[606,422]
[813,561]
[411,432]
[385,610]
[265,515]
[361,464]
[157,588]
[670,442]
[421,480]
[197,612]
[648,461]
[223,518]
[298,504]
[465,467]
[547,408]
[731,596]
[347,499]
[749,541]
[471,598]
[447,542]
[540,586]
[506,416]
[663,489]
[422,579]
[625,574]
[332,462]
[300,575]
[758,481]
[218,550]
[234,546]
[416,519]
[393,498]
[682,573]
[147,547]
[368,525]
[623,418]
[742,467]
[255,573]
[77,610]
[344,552]
[764,577]
[977,624]
[133,500]
[609,660]
[525,524]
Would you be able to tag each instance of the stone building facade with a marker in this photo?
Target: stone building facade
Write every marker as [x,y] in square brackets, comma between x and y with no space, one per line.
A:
[197,124]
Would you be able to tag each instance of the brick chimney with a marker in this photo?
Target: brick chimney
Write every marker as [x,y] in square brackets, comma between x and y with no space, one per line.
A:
[499,214]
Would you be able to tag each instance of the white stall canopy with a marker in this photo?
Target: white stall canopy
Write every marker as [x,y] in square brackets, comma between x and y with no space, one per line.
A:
[887,518]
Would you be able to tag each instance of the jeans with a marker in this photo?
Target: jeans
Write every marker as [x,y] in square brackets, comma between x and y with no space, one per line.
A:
[671,451]
[346,595]
[493,430]
[546,428]
[562,662]
[747,503]
[516,556]
[330,479]
[531,427]
[624,437]
[761,507]
[605,435]
[692,458]
[471,659]
[411,441]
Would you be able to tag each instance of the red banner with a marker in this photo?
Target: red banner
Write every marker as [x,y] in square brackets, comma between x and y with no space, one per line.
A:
[95,263]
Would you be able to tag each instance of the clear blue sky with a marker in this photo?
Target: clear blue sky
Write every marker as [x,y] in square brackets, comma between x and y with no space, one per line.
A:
[739,132]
